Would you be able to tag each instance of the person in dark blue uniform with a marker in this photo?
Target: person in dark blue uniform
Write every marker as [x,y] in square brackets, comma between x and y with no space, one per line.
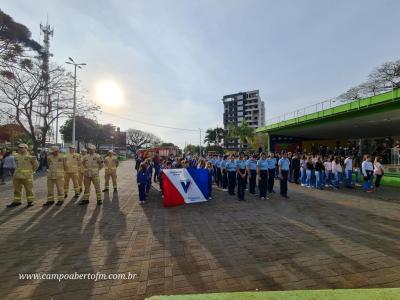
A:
[251,165]
[262,171]
[284,165]
[231,170]
[149,174]
[241,176]
[142,179]
[271,172]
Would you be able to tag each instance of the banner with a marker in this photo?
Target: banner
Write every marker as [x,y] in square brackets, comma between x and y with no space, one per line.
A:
[182,186]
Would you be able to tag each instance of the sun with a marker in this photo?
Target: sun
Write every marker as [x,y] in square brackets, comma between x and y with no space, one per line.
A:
[109,93]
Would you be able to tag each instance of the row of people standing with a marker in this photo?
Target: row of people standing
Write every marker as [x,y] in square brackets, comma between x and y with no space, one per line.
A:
[82,169]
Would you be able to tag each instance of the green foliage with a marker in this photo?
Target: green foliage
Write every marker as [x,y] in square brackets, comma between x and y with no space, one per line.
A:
[214,136]
[243,132]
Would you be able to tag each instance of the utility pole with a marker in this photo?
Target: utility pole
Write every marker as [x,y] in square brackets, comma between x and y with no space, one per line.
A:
[200,142]
[58,99]
[76,65]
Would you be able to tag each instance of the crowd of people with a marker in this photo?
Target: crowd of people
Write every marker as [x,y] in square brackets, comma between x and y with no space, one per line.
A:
[236,174]
[233,173]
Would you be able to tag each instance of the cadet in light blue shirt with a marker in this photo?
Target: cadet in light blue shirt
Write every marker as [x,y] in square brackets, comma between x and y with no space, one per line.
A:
[251,164]
[241,176]
[284,165]
[271,161]
[231,169]
[262,171]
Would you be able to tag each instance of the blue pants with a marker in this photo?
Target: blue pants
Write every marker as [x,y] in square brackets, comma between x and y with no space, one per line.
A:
[349,174]
[328,178]
[142,192]
[148,185]
[336,181]
[308,178]
[263,183]
[368,181]
[241,185]
[319,179]
[303,176]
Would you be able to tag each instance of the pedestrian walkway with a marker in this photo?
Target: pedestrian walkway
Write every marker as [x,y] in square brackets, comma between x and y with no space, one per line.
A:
[314,240]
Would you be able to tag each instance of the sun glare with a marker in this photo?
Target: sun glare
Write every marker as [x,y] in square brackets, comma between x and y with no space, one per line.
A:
[109,93]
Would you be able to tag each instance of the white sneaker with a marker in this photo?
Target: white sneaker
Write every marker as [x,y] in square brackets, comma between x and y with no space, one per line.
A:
[267,198]
[209,198]
[225,190]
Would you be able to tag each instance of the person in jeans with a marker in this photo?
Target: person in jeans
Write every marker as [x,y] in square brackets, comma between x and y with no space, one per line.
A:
[367,170]
[337,171]
[309,171]
[378,171]
[348,170]
[303,168]
[328,171]
[9,165]
[319,171]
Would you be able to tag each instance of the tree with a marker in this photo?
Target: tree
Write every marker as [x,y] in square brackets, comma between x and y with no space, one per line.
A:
[388,73]
[193,149]
[351,94]
[35,102]
[137,139]
[214,136]
[88,131]
[243,132]
[16,45]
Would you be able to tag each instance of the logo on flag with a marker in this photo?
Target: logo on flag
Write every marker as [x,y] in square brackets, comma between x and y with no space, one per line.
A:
[185,185]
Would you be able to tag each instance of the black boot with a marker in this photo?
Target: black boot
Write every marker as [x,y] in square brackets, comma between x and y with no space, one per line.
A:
[60,202]
[105,190]
[83,202]
[115,189]
[76,195]
[48,203]
[99,202]
[29,204]
[14,204]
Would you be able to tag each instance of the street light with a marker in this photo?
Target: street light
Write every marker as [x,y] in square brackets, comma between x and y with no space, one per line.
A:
[72,62]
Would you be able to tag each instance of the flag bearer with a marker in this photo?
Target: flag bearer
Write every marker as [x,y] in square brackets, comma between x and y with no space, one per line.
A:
[111,164]
[231,170]
[73,161]
[241,176]
[81,170]
[55,176]
[26,165]
[92,164]
[251,165]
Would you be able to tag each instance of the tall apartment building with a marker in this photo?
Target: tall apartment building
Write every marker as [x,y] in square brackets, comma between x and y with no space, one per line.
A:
[243,106]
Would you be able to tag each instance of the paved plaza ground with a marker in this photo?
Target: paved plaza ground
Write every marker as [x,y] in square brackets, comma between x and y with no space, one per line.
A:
[314,240]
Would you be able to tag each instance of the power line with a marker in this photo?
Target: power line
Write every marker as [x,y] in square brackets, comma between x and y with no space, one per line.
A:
[151,124]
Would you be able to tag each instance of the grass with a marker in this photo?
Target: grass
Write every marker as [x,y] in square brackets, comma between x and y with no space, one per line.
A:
[349,294]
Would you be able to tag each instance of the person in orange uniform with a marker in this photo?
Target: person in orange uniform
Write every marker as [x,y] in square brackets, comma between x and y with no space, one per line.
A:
[73,161]
[111,164]
[26,165]
[55,176]
[92,163]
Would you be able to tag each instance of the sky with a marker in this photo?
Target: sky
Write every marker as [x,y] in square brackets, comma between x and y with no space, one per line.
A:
[169,62]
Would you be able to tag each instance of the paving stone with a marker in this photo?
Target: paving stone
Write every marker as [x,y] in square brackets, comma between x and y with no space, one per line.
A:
[316,239]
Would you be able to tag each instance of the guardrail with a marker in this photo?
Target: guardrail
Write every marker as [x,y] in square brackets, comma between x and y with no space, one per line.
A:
[328,108]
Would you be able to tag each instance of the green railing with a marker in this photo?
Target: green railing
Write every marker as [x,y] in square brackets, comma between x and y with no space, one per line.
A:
[328,108]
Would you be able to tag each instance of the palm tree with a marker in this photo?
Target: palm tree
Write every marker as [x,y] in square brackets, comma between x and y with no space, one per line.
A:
[210,136]
[242,132]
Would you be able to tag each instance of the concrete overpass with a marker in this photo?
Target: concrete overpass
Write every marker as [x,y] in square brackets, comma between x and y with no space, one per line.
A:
[375,116]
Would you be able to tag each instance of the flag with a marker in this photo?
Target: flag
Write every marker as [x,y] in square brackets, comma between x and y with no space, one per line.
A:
[182,186]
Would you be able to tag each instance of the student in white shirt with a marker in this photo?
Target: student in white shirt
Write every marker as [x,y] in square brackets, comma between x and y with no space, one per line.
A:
[367,170]
[328,171]
[378,171]
[337,171]
[348,170]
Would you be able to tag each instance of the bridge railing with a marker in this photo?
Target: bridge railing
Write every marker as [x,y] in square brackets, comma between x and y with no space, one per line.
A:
[320,107]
